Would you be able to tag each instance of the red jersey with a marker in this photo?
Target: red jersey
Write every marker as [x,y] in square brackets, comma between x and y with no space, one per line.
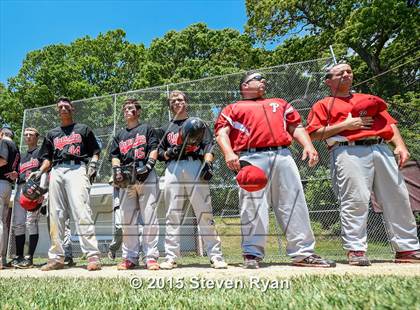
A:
[334,110]
[258,123]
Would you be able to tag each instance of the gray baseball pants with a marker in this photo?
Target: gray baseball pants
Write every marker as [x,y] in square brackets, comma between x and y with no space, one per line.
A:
[140,200]
[5,193]
[356,172]
[23,220]
[284,192]
[181,183]
[69,194]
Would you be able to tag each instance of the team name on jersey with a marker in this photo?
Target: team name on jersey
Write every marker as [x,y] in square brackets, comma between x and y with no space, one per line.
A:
[173,138]
[128,144]
[33,163]
[60,143]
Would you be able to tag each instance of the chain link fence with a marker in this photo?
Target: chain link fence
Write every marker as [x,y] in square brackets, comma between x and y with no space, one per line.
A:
[301,84]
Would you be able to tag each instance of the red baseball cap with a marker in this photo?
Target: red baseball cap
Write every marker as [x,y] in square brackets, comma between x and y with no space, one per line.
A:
[368,107]
[30,205]
[251,178]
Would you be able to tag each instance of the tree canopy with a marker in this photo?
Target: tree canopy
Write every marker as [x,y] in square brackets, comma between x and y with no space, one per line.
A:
[378,33]
[109,63]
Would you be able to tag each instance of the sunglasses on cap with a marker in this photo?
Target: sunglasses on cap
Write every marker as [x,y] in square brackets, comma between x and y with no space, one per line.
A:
[258,77]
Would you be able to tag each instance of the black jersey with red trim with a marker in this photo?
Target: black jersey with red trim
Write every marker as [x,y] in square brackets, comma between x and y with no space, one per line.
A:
[170,139]
[134,144]
[10,153]
[74,142]
[28,163]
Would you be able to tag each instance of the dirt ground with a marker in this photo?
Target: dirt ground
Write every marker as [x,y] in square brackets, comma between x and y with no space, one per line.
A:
[269,271]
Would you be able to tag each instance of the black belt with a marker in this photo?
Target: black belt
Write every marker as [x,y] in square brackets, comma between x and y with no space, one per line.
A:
[69,162]
[266,149]
[363,142]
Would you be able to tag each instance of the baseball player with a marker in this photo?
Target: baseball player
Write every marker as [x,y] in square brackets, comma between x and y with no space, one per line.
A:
[67,149]
[133,154]
[9,161]
[356,127]
[23,220]
[116,242]
[258,131]
[188,170]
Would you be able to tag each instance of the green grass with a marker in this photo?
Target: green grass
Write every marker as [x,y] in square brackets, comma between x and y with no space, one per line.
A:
[327,244]
[307,292]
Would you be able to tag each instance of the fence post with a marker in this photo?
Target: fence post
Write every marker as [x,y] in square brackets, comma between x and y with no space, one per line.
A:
[115,115]
[333,55]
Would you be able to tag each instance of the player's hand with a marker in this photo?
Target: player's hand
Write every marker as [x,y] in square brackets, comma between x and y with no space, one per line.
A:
[12,175]
[144,171]
[35,175]
[207,171]
[401,155]
[312,154]
[232,162]
[117,174]
[355,123]
[173,152]
[92,171]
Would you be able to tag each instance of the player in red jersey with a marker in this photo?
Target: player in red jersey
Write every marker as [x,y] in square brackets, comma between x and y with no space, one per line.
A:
[258,131]
[356,127]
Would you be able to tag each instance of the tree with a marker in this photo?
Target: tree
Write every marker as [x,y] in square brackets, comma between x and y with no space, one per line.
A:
[10,110]
[198,52]
[380,32]
[85,68]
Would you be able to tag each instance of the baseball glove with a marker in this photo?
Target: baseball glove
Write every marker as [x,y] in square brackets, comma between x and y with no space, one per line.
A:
[124,176]
[92,171]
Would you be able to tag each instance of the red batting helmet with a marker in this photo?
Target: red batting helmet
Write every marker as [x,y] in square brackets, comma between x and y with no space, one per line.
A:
[251,178]
[30,205]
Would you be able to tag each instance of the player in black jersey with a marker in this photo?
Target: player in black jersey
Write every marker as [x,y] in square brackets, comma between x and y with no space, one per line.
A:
[23,220]
[9,161]
[68,149]
[188,170]
[133,155]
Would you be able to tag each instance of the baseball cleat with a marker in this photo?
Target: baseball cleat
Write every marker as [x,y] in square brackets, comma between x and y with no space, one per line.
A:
[25,263]
[218,263]
[111,255]
[68,261]
[126,264]
[14,262]
[168,264]
[251,262]
[358,258]
[411,257]
[152,264]
[52,265]
[315,261]
[94,264]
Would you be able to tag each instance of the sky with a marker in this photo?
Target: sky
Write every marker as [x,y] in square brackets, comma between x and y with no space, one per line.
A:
[30,25]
